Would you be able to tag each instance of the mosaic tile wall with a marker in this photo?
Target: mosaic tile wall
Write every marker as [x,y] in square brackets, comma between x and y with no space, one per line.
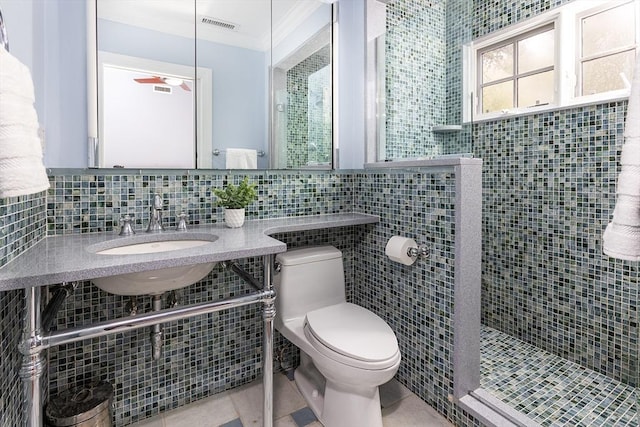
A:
[495,15]
[298,114]
[415,74]
[22,225]
[458,32]
[85,203]
[11,304]
[549,190]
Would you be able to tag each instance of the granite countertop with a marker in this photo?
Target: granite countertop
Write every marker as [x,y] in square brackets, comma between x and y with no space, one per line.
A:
[66,258]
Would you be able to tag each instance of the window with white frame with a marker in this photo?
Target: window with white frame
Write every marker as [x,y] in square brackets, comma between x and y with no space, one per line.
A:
[583,52]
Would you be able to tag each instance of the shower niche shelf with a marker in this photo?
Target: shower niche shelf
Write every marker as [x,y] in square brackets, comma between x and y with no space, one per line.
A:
[446,128]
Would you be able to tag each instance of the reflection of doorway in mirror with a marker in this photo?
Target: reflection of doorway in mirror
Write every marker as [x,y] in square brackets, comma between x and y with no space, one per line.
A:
[145,117]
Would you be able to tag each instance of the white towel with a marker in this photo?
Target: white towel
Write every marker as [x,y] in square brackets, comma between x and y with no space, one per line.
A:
[621,238]
[241,158]
[21,168]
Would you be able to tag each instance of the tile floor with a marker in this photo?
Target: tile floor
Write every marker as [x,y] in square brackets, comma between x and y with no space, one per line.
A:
[550,390]
[242,407]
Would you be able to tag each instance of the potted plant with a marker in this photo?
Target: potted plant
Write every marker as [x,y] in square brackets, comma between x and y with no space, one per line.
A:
[235,199]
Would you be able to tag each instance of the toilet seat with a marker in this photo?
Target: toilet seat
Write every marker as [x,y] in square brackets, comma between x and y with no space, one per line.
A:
[352,335]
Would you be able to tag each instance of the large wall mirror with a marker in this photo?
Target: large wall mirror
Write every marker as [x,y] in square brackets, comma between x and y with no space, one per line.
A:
[212,84]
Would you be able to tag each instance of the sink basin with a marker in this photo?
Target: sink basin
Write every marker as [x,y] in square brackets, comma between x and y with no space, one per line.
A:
[153,282]
[153,247]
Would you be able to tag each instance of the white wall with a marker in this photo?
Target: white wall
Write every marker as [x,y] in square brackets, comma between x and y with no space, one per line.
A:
[144,128]
[240,86]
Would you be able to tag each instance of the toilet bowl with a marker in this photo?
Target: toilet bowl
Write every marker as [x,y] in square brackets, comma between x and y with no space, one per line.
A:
[346,351]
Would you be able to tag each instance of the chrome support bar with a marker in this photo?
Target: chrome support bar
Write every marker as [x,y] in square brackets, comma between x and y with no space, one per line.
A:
[268,314]
[33,363]
[101,329]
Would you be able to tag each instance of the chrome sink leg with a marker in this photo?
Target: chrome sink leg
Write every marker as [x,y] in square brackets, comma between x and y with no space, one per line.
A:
[156,331]
[268,313]
[33,362]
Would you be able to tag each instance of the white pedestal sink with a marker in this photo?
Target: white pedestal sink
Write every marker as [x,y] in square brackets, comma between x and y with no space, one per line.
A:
[153,282]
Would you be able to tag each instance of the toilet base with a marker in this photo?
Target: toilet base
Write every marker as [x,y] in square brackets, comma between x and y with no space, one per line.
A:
[336,405]
[311,384]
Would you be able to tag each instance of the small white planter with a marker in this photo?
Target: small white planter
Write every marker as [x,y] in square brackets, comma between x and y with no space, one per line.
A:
[234,218]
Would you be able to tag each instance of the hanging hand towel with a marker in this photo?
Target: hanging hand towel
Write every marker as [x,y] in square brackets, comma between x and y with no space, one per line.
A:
[21,168]
[240,158]
[621,238]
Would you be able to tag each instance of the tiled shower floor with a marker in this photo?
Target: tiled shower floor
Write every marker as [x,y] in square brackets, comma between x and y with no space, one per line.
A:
[550,390]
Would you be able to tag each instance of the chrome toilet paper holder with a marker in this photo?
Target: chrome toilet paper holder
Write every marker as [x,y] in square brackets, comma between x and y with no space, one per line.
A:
[421,252]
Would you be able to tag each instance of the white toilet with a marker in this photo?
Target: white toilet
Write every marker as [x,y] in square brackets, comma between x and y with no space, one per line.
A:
[346,351]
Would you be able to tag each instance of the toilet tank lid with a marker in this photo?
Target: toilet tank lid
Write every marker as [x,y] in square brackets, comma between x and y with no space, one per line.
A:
[308,254]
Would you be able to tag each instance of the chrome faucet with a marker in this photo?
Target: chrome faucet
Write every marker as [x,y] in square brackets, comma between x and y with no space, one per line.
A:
[155,215]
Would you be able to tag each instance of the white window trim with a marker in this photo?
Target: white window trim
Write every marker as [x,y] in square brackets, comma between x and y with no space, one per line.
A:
[565,21]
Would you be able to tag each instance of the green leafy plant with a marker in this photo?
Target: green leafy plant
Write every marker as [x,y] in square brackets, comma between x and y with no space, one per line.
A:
[236,197]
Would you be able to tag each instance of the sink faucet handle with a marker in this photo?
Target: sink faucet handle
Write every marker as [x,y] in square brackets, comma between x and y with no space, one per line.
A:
[126,229]
[182,222]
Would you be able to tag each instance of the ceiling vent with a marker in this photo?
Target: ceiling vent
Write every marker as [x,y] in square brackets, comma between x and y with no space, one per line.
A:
[162,89]
[220,23]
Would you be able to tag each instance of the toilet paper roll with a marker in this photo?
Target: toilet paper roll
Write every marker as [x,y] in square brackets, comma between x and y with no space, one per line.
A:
[397,249]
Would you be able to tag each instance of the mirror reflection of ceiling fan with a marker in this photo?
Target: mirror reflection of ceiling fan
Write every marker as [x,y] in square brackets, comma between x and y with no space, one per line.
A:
[171,81]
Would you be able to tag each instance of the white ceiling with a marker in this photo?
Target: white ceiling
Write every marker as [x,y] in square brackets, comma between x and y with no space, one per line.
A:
[177,17]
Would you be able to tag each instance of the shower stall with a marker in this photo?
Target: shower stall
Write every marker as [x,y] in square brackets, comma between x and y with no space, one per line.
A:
[302,112]
[559,340]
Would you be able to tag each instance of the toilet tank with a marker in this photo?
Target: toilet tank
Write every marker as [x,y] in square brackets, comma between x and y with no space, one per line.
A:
[309,278]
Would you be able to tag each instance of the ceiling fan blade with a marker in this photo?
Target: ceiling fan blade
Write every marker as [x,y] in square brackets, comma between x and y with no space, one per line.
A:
[154,79]
[185,87]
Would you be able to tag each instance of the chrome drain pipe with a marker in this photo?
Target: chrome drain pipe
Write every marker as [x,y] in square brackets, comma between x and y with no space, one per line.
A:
[244,275]
[156,330]
[51,310]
